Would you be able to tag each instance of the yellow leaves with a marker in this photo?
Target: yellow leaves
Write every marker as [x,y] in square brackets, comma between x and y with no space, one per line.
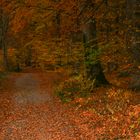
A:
[132,126]
[119,94]
[139,120]
[139,67]
[110,109]
[40,28]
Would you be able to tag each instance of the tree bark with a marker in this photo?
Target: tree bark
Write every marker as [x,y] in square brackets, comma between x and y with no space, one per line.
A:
[4,27]
[133,32]
[93,66]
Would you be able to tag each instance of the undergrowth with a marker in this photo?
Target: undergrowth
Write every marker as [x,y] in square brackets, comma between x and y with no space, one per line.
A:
[108,110]
[83,94]
[74,87]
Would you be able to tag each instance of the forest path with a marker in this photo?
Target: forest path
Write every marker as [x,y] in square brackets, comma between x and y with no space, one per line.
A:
[29,111]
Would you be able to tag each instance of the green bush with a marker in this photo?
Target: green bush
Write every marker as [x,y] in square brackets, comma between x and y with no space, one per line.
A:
[68,89]
[74,87]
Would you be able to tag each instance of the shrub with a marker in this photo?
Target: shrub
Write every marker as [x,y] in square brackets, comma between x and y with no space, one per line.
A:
[74,87]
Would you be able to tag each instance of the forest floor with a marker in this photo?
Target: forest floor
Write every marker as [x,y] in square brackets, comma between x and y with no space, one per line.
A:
[30,111]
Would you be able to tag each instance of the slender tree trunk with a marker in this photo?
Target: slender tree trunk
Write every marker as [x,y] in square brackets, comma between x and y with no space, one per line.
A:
[4,27]
[5,56]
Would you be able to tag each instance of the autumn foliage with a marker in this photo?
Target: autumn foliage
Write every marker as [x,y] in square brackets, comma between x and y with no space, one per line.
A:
[95,43]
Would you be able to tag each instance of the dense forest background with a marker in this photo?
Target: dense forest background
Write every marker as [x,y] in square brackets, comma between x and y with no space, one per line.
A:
[99,38]
[94,43]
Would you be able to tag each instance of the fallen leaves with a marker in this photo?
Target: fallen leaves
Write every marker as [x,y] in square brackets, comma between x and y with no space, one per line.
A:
[94,117]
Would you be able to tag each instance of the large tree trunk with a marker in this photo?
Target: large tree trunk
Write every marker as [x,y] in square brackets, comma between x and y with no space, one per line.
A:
[93,66]
[133,32]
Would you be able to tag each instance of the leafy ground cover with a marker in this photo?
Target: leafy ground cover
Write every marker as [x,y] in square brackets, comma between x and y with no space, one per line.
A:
[30,111]
[109,112]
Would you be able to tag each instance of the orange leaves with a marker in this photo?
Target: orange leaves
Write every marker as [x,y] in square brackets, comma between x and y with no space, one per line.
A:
[21,18]
[87,114]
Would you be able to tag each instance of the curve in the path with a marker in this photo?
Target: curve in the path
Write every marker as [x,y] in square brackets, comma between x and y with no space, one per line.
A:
[35,115]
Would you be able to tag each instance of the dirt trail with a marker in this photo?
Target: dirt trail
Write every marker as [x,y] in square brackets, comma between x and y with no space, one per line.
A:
[29,111]
[28,91]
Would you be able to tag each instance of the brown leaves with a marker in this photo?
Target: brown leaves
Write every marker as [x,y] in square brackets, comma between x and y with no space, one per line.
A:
[38,121]
[109,115]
